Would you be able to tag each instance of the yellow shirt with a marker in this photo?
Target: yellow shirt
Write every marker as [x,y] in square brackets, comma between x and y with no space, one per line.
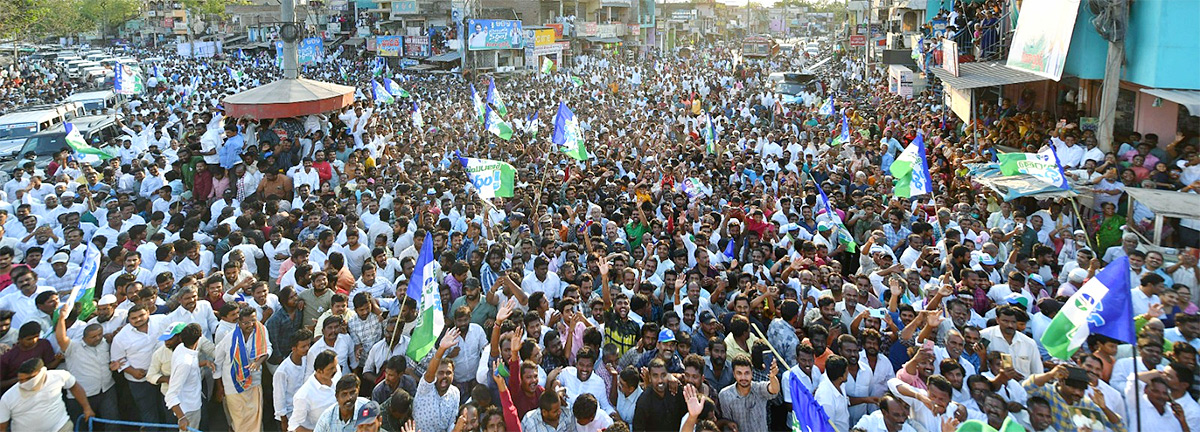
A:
[732,348]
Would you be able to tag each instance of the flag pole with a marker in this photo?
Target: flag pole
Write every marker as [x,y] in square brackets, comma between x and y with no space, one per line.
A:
[778,357]
[399,321]
[1083,225]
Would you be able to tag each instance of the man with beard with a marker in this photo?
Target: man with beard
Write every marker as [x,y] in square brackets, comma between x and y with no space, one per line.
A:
[132,349]
[745,402]
[665,351]
[1067,393]
[707,329]
[549,416]
[878,366]
[716,370]
[578,379]
[467,351]
[481,311]
[891,417]
[341,417]
[646,344]
[436,400]
[663,406]
[619,329]
[693,375]
[108,317]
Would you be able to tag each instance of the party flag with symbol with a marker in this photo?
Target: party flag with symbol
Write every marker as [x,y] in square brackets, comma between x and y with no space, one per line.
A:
[576,80]
[910,171]
[394,89]
[235,75]
[381,94]
[493,97]
[842,234]
[417,118]
[1103,305]
[491,178]
[710,134]
[423,287]
[567,134]
[1043,165]
[479,105]
[826,108]
[844,137]
[83,152]
[547,65]
[532,125]
[83,290]
[496,125]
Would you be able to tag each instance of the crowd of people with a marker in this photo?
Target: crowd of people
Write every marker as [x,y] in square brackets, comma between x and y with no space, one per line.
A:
[253,275]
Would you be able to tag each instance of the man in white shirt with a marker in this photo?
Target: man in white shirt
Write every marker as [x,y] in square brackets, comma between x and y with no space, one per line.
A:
[543,280]
[1005,338]
[290,375]
[891,417]
[1146,295]
[193,310]
[183,391]
[133,266]
[243,394]
[470,347]
[316,395]
[936,396]
[87,360]
[36,404]
[832,395]
[579,379]
[131,349]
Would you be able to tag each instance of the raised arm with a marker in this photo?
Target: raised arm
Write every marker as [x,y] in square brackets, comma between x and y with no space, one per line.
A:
[449,340]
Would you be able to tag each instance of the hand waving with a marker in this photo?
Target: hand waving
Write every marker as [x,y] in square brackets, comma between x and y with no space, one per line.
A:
[692,399]
[449,339]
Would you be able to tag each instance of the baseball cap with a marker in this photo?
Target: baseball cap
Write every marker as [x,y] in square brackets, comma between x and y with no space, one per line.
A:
[1077,275]
[1077,378]
[60,257]
[366,413]
[1037,278]
[824,226]
[666,335]
[707,317]
[172,330]
[1017,299]
[987,260]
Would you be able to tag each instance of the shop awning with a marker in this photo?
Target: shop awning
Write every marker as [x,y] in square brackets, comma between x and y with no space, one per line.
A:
[1190,99]
[984,74]
[598,39]
[354,42]
[446,57]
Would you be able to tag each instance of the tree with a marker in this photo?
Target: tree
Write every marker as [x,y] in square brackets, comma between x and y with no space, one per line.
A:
[108,14]
[18,18]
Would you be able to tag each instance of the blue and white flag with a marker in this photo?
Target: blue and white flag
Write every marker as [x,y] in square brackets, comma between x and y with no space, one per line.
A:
[807,414]
[910,171]
[417,118]
[1103,305]
[843,137]
[423,287]
[827,108]
[382,96]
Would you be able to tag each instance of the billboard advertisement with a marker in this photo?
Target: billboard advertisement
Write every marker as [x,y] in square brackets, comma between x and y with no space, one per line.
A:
[1040,42]
[494,35]
[389,46]
[416,46]
[543,37]
[311,51]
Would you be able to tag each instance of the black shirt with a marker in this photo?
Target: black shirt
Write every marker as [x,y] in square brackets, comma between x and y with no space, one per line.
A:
[654,413]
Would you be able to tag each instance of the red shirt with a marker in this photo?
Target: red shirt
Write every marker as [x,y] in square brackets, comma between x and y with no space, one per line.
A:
[521,401]
[324,170]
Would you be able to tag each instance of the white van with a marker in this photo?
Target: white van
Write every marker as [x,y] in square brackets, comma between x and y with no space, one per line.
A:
[15,127]
[104,100]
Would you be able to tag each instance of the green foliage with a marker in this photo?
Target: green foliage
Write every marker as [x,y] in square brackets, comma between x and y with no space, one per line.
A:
[107,14]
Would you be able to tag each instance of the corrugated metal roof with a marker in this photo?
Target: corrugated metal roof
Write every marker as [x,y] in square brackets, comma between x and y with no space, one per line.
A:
[984,74]
[1188,98]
